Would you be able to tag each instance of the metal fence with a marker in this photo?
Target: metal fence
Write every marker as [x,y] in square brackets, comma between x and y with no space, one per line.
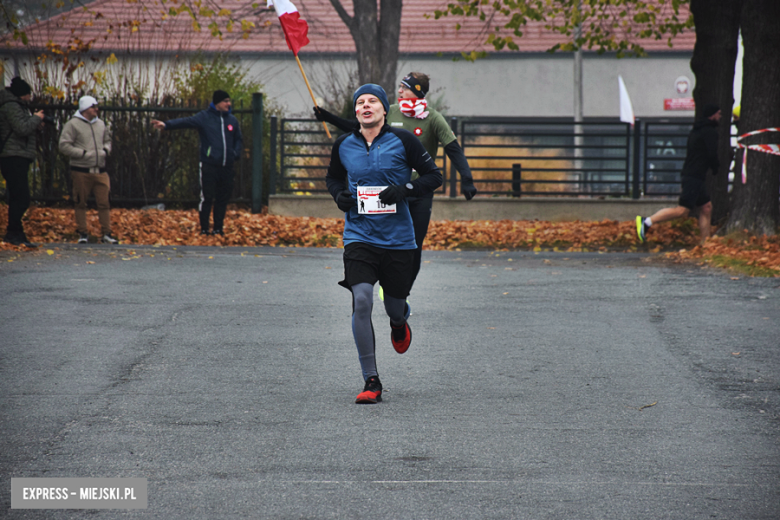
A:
[145,166]
[304,155]
[509,157]
[516,157]
[665,149]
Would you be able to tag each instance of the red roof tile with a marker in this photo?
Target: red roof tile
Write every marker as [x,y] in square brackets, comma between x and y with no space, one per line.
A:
[110,24]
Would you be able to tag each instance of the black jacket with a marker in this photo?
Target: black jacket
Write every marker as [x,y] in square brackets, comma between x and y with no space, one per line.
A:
[702,152]
[220,135]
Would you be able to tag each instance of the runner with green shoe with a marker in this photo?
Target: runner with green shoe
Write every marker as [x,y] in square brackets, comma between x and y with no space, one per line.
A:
[702,155]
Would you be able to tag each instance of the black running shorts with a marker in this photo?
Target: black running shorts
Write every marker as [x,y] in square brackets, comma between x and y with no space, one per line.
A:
[392,268]
[694,193]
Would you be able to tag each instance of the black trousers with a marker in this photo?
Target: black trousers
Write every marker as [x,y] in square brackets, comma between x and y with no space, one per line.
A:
[420,209]
[216,187]
[17,188]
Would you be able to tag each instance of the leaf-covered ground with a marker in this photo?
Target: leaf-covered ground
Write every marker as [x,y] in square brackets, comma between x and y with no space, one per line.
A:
[677,241]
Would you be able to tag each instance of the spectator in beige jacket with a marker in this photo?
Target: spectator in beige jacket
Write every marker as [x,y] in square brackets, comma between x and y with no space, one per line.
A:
[86,141]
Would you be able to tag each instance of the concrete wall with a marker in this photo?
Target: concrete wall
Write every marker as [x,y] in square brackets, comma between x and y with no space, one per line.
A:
[520,85]
[523,85]
[444,208]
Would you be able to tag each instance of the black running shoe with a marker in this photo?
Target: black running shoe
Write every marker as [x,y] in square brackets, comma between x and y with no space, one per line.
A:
[12,239]
[18,239]
[372,392]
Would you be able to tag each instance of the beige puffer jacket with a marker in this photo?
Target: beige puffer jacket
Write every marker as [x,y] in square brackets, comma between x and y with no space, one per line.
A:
[87,143]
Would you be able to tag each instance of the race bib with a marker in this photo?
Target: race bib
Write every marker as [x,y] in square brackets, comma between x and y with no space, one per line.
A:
[369,203]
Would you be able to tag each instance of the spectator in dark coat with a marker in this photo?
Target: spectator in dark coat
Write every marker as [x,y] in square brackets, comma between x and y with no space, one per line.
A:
[17,142]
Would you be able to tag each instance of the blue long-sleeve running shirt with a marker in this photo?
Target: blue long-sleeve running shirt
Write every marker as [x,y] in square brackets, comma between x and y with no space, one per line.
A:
[388,161]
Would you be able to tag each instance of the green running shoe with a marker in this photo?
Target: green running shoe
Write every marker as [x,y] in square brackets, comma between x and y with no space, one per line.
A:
[641,228]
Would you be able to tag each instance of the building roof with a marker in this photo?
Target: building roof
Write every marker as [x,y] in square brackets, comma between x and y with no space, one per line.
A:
[138,26]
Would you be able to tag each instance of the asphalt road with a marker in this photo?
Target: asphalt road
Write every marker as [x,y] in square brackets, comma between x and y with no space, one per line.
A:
[537,386]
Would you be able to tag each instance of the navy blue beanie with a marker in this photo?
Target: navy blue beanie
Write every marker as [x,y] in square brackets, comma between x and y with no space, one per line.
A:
[371,88]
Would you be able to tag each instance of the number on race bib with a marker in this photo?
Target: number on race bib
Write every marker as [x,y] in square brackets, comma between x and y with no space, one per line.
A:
[369,203]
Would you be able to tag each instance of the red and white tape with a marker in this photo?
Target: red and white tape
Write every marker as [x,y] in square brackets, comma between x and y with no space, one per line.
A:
[766,148]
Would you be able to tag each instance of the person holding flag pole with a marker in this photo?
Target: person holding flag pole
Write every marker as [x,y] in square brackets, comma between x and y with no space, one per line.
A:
[296,32]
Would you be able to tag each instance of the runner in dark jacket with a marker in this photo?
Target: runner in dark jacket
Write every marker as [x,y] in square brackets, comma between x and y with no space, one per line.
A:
[220,147]
[702,156]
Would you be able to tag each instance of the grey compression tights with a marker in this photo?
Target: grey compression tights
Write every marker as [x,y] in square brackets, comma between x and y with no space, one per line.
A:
[363,329]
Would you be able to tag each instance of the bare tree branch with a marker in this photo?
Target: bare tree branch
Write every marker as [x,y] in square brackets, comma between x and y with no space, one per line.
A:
[342,13]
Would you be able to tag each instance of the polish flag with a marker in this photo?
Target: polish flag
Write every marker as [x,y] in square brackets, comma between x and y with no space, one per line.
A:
[295,29]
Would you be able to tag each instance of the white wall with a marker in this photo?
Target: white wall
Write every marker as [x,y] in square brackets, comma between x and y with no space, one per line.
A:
[529,85]
[535,85]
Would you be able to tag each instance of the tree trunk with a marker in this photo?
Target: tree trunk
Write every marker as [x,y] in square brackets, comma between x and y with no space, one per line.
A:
[376,31]
[389,28]
[755,206]
[714,57]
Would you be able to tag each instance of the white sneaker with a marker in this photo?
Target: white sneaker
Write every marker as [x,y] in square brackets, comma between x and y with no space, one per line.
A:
[108,239]
[83,238]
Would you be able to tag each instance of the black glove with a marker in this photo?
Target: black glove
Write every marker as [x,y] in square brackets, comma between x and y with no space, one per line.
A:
[468,190]
[318,114]
[345,201]
[393,194]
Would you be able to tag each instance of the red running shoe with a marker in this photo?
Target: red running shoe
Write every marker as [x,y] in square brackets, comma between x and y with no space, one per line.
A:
[401,337]
[372,392]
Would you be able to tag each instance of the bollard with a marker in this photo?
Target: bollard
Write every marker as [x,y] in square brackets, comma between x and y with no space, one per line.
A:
[517,173]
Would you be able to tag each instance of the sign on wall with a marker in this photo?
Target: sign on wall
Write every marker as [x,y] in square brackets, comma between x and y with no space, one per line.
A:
[679,104]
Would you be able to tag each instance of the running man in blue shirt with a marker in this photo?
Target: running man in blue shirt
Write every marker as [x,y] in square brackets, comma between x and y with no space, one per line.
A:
[373,164]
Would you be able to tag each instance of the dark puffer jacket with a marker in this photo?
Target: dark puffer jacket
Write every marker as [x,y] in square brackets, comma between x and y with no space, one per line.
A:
[18,126]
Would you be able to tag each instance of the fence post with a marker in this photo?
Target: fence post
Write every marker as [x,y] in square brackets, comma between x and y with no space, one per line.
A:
[257,152]
[453,174]
[272,184]
[637,161]
[517,174]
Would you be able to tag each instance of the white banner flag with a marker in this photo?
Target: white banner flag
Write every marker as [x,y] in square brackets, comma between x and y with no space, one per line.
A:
[626,110]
